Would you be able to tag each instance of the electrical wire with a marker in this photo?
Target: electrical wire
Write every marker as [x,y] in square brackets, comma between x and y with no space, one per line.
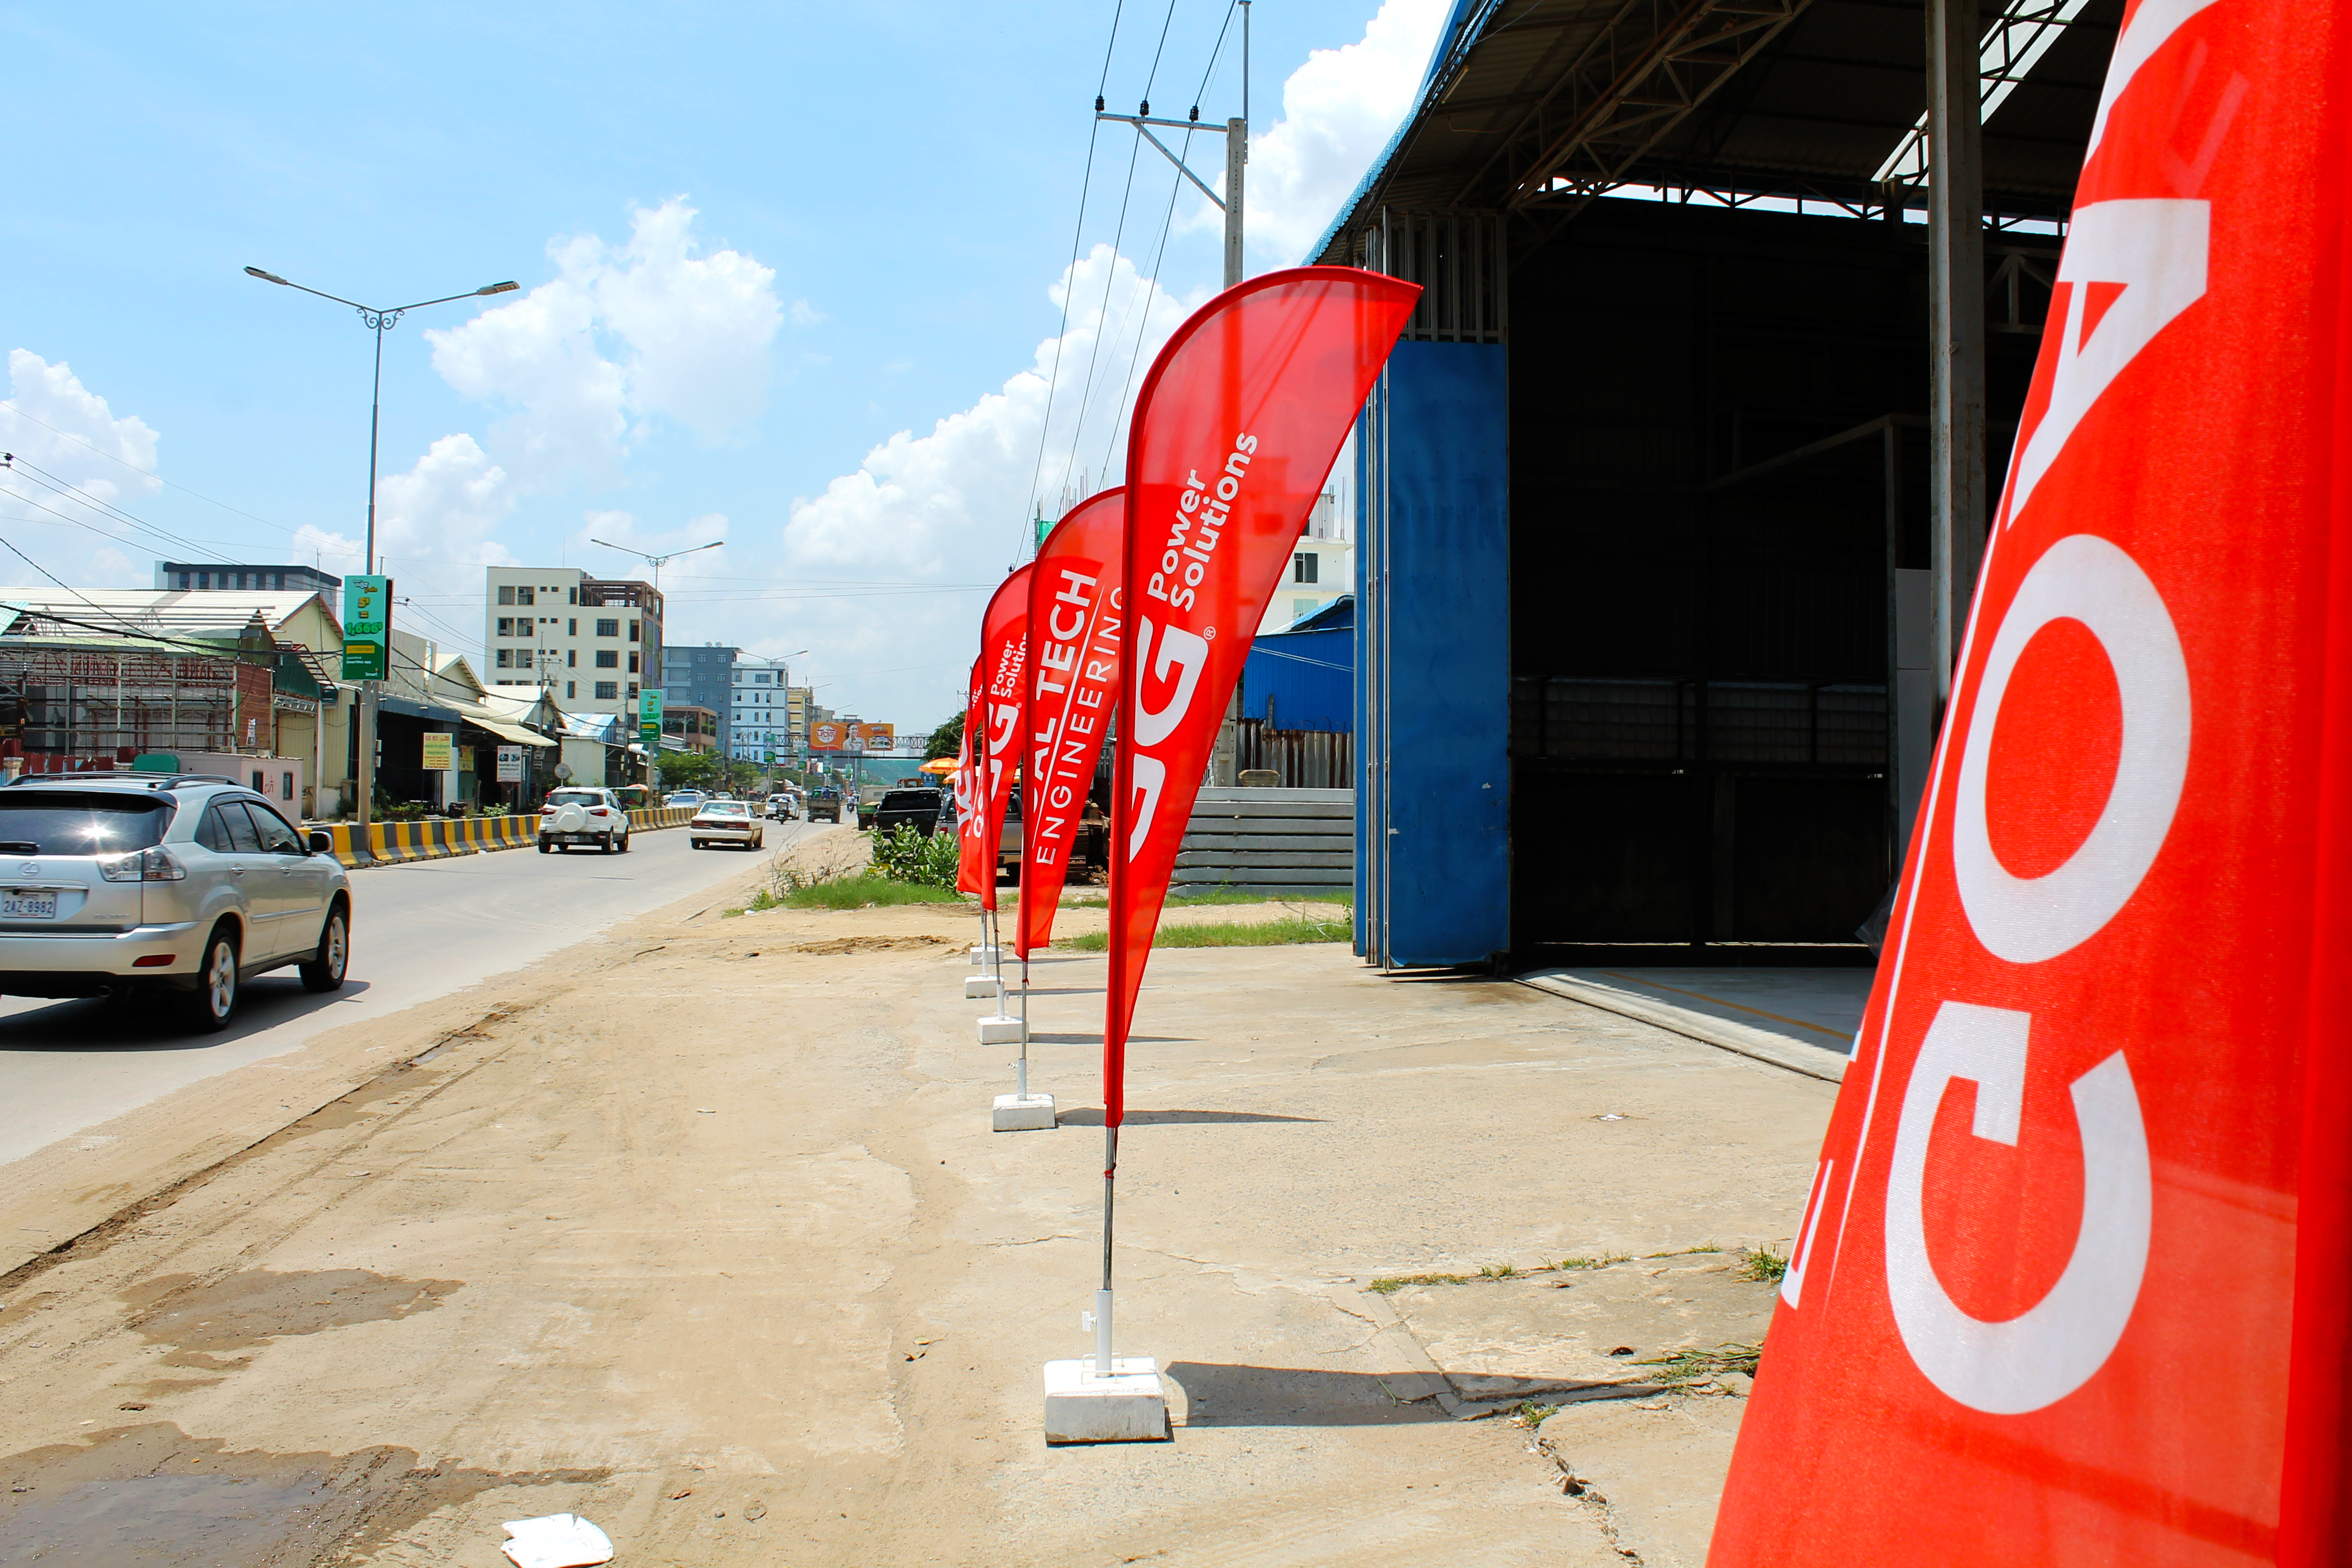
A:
[1102,318]
[1028,543]
[144,473]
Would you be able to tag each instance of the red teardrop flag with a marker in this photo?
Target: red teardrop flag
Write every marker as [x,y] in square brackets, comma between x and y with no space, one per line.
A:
[2072,1283]
[971,794]
[1074,612]
[1235,430]
[1003,675]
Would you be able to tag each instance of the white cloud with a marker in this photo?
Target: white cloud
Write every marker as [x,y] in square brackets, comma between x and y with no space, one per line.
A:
[1338,109]
[446,508]
[67,440]
[622,335]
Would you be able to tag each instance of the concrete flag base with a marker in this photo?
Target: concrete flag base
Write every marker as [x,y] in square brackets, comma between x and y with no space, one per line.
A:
[1128,1406]
[1004,1029]
[982,985]
[1023,1114]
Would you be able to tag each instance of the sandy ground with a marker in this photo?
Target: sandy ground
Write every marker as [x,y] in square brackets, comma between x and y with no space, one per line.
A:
[699,1230]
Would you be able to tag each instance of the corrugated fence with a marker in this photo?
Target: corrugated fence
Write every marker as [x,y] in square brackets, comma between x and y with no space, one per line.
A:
[1298,841]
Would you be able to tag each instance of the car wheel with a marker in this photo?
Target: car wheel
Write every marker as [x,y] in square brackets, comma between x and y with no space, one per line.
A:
[325,973]
[211,1004]
[624,844]
[605,846]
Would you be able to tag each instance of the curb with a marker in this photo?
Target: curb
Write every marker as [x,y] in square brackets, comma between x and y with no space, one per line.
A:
[440,839]
[1762,1045]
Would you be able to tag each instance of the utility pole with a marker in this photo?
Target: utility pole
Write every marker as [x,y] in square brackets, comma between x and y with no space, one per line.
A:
[1221,770]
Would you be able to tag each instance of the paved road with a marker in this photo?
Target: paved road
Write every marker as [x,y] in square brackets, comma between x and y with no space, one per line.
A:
[418,931]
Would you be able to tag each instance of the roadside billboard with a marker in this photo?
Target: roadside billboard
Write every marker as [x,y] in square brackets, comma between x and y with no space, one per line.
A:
[509,764]
[879,737]
[828,735]
[367,628]
[440,754]
[649,719]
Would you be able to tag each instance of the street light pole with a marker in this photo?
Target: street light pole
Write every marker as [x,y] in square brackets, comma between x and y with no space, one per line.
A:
[379,321]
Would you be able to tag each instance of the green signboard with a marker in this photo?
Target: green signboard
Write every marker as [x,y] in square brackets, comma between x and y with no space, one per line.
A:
[649,720]
[367,628]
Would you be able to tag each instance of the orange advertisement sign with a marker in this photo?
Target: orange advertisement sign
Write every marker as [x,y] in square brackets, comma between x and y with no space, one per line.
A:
[828,735]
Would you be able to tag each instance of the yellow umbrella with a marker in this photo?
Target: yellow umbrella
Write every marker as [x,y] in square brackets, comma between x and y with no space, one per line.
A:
[939,765]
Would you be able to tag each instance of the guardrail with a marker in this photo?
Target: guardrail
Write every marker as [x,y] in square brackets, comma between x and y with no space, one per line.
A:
[439,837]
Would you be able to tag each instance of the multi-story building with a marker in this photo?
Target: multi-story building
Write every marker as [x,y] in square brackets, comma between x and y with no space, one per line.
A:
[593,643]
[701,675]
[758,713]
[801,705]
[1322,568]
[210,577]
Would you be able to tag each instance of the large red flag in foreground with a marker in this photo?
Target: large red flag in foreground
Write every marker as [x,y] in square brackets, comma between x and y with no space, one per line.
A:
[1235,430]
[1074,609]
[1004,674]
[972,861]
[2070,1287]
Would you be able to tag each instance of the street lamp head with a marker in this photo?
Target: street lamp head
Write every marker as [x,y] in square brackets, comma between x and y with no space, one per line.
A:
[508,286]
[267,277]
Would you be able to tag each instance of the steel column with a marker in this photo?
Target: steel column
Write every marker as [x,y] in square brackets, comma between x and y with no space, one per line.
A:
[1956,322]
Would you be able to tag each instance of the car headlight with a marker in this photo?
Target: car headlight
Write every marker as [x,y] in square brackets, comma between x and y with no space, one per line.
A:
[143,865]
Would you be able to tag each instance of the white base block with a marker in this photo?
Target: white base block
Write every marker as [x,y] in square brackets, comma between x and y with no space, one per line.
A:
[1002,1029]
[1128,1406]
[1023,1114]
[977,985]
[984,956]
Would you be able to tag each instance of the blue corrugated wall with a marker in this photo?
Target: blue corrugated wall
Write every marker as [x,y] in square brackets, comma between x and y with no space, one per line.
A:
[1432,659]
[1302,681]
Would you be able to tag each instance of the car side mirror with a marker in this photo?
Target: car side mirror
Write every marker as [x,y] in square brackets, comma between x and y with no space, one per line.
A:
[322,842]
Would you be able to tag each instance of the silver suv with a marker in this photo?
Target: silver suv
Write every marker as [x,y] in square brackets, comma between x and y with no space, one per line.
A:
[183,883]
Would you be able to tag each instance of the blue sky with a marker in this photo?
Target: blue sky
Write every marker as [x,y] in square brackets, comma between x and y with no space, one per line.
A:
[789,279]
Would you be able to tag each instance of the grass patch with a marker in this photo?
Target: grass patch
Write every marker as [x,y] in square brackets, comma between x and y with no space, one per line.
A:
[1253,933]
[1767,1265]
[1601,1261]
[1529,1414]
[1391,1287]
[1699,1366]
[762,902]
[863,893]
[1498,1271]
[1688,1251]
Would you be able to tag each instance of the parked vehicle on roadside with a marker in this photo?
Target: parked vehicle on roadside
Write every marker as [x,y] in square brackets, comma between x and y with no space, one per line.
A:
[865,810]
[578,814]
[184,884]
[917,808]
[726,822]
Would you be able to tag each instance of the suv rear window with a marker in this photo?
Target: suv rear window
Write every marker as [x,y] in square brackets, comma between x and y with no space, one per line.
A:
[576,798]
[61,822]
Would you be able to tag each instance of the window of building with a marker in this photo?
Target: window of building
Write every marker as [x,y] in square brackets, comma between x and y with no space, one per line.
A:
[611,628]
[506,594]
[203,579]
[607,689]
[633,664]
[506,625]
[570,689]
[633,631]
[633,692]
[506,660]
[572,658]
[523,596]
[570,596]
[184,579]
[608,658]
[1303,566]
[758,680]
[571,625]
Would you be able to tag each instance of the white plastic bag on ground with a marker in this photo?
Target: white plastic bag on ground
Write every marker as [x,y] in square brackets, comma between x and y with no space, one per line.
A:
[558,1541]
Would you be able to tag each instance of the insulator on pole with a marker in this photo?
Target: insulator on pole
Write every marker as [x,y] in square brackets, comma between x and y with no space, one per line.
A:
[1146,110]
[1098,103]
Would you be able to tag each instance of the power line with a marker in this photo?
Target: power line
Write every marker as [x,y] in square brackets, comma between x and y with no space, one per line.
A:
[1077,236]
[146,473]
[1102,319]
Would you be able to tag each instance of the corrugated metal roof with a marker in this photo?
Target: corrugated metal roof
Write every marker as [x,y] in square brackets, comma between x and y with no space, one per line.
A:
[1820,105]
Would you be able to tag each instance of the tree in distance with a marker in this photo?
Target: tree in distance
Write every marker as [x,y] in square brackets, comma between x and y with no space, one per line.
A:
[946,740]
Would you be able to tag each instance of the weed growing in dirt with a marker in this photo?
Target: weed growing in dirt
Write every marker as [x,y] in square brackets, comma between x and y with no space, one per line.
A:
[1256,934]
[907,856]
[1688,1251]
[865,893]
[1698,1366]
[1391,1287]
[1767,1265]
[762,902]
[1602,1260]
[1529,1414]
[1498,1271]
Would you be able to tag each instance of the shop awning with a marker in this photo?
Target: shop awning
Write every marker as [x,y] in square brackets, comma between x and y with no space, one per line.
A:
[504,730]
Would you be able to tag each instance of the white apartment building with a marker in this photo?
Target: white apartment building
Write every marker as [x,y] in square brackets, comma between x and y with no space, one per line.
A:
[760,715]
[1322,568]
[593,643]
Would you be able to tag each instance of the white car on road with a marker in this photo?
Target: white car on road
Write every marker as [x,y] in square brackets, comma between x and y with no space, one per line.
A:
[178,883]
[577,814]
[726,822]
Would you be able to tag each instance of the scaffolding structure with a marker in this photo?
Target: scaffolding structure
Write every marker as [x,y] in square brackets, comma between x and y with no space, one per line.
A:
[69,703]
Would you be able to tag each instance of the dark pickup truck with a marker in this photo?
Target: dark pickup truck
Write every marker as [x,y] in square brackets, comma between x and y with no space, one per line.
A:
[917,808]
[825,805]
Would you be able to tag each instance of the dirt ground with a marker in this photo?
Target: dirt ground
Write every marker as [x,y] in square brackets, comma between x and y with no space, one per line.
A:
[701,1233]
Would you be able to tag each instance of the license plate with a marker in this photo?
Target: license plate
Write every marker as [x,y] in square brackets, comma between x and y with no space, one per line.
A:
[28,906]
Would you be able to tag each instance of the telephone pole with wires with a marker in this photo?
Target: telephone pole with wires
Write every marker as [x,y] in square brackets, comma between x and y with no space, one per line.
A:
[1236,134]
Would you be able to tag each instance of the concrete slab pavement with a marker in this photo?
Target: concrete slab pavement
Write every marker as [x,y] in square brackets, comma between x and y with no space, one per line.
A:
[710,1242]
